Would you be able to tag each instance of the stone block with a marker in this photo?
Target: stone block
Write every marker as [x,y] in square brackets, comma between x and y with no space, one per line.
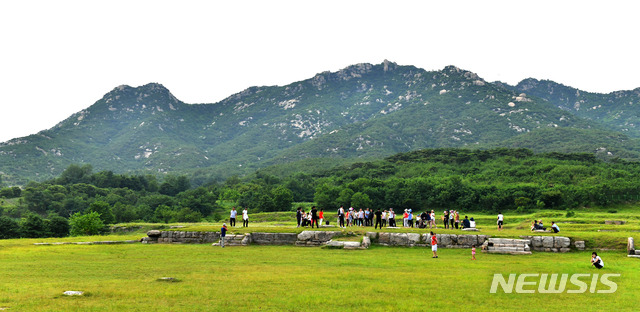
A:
[565,249]
[305,235]
[561,242]
[366,242]
[398,239]
[630,246]
[481,239]
[372,235]
[154,233]
[547,241]
[444,240]
[467,240]
[413,238]
[351,245]
[536,241]
[384,238]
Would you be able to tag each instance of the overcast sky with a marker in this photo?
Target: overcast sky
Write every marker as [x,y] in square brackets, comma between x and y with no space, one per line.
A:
[59,57]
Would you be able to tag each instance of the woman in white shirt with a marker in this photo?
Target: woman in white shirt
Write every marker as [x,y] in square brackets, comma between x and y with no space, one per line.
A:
[596,261]
[245,218]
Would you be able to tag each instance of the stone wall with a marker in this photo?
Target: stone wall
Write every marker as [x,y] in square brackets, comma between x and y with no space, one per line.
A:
[549,243]
[321,238]
[422,240]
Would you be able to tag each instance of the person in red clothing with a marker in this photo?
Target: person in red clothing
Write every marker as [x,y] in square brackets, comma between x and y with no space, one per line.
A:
[434,245]
[321,215]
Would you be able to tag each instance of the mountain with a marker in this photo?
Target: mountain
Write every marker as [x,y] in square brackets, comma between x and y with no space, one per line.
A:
[364,111]
[617,111]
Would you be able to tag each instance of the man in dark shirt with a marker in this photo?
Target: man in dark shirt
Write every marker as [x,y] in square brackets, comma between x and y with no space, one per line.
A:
[314,217]
[378,219]
[299,216]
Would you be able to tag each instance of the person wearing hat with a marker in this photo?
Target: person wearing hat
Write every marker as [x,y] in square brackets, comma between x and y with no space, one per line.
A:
[223,233]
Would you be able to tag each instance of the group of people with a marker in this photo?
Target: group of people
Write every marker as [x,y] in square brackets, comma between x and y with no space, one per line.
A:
[387,218]
[312,217]
[537,225]
[245,217]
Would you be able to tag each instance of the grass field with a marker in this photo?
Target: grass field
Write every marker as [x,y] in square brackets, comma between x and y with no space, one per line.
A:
[279,278]
[287,278]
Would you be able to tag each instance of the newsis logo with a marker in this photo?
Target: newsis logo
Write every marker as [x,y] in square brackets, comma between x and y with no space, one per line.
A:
[526,283]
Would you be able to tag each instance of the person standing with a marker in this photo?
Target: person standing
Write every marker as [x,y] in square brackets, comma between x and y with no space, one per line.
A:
[457,217]
[378,219]
[405,218]
[451,217]
[232,217]
[299,215]
[473,252]
[410,218]
[392,218]
[445,219]
[223,233]
[433,218]
[385,217]
[314,216]
[427,218]
[434,245]
[341,216]
[366,216]
[500,221]
[321,215]
[245,218]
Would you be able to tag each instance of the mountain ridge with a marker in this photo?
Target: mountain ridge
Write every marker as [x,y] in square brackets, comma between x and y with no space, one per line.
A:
[362,111]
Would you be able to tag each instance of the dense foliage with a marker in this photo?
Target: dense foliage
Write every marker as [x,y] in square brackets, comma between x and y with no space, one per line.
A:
[468,180]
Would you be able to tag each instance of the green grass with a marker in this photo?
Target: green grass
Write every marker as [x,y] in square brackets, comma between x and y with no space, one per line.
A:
[284,278]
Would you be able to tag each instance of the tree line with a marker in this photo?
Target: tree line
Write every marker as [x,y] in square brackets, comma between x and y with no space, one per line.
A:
[461,179]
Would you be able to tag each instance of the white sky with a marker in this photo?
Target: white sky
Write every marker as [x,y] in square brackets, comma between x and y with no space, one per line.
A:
[59,57]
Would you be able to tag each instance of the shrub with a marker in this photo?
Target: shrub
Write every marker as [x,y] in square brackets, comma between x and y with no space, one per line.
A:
[33,226]
[9,228]
[57,226]
[87,224]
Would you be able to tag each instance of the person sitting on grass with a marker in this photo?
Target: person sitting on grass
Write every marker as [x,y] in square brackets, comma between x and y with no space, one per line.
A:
[466,223]
[472,223]
[555,227]
[596,261]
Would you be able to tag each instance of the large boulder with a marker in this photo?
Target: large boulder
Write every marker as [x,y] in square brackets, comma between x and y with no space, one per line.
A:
[413,238]
[561,242]
[467,240]
[547,241]
[384,238]
[398,239]
[536,241]
[366,242]
[154,233]
[444,240]
[306,235]
[481,239]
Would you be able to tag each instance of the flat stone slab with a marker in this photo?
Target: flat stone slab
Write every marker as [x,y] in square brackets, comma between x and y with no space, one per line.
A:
[73,293]
[634,256]
[471,229]
[89,243]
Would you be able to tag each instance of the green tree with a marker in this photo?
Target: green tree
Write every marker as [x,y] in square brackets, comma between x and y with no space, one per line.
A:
[104,210]
[360,201]
[9,228]
[282,198]
[57,226]
[33,226]
[86,224]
